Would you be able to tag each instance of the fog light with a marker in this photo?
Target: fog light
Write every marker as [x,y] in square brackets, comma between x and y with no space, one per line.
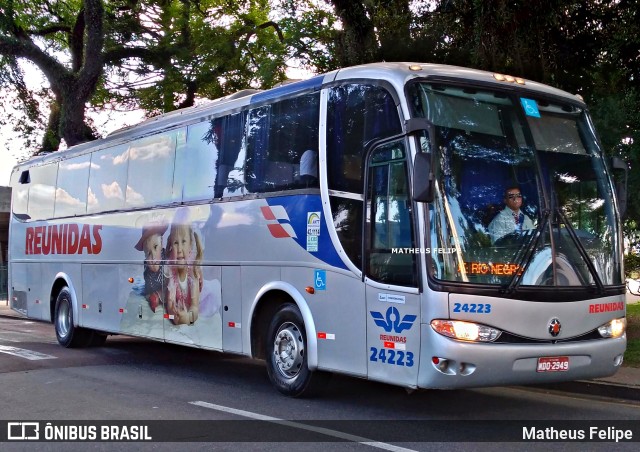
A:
[443,365]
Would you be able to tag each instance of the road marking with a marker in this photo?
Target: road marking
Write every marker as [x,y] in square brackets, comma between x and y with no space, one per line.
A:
[321,430]
[24,353]
[22,341]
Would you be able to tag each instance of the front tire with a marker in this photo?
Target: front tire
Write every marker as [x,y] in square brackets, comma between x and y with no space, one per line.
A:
[287,355]
[68,335]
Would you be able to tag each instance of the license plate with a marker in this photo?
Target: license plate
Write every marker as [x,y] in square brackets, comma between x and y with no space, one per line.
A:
[553,364]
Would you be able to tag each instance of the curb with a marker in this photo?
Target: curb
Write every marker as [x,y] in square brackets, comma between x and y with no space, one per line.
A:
[595,388]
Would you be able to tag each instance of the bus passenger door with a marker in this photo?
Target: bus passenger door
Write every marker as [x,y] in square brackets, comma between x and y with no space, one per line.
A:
[390,263]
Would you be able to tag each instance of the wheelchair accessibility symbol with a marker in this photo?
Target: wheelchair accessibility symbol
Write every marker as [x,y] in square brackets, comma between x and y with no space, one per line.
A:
[320,279]
[530,107]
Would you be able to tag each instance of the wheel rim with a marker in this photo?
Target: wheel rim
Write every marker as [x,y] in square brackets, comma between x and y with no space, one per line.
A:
[63,320]
[288,349]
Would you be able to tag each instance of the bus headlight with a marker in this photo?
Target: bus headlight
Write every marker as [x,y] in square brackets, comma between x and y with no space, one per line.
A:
[614,328]
[466,331]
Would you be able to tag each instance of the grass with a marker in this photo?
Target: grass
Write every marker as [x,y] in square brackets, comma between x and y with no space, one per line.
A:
[632,355]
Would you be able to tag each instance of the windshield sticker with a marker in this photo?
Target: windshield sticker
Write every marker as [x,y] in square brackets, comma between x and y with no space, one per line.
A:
[530,107]
[313,231]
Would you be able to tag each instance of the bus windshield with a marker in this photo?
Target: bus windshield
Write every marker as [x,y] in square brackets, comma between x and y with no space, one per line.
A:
[522,197]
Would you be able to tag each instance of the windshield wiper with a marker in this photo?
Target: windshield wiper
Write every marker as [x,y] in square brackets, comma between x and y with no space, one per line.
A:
[581,250]
[527,255]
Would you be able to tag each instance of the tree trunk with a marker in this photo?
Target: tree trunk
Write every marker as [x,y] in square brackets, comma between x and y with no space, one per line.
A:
[51,138]
[357,43]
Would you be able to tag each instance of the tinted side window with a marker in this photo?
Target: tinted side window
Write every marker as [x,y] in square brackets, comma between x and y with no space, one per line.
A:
[278,136]
[195,164]
[42,191]
[19,192]
[389,218]
[347,219]
[226,135]
[71,191]
[151,163]
[107,179]
[356,115]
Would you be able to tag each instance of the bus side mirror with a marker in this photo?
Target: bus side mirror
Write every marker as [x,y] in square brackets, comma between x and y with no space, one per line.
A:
[620,175]
[422,178]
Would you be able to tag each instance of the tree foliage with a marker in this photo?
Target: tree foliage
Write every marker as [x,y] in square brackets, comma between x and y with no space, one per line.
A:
[585,47]
[157,54]
[161,55]
[36,31]
[187,49]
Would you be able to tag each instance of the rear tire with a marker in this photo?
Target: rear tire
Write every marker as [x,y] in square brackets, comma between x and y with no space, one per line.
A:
[287,355]
[68,335]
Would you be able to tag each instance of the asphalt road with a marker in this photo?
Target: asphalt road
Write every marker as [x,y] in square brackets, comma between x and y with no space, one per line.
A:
[220,401]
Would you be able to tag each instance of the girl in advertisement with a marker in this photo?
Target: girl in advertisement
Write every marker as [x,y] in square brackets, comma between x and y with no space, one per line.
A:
[188,295]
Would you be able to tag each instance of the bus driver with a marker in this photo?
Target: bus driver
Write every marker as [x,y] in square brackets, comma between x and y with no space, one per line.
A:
[511,218]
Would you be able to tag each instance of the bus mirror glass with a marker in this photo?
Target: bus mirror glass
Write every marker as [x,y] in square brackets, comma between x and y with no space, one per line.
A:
[620,174]
[24,177]
[422,178]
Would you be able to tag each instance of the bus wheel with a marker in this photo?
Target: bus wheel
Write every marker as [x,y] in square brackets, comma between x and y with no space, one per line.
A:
[67,334]
[287,355]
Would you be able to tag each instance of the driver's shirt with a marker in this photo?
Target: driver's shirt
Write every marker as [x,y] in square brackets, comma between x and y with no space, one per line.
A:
[508,221]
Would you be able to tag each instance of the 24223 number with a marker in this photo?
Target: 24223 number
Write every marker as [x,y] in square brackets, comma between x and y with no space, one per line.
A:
[472,308]
[396,357]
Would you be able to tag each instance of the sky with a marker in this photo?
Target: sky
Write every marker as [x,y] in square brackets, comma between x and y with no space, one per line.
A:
[11,150]
[7,159]
[10,143]
[11,146]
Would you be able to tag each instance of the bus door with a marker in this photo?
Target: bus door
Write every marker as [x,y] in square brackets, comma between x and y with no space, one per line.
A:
[391,275]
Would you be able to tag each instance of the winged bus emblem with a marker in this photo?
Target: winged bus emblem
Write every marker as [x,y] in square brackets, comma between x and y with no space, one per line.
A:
[391,320]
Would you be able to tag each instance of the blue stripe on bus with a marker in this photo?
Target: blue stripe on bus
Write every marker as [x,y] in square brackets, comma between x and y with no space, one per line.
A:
[314,82]
[298,207]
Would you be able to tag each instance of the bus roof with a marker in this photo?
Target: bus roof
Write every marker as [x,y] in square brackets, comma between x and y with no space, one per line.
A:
[398,74]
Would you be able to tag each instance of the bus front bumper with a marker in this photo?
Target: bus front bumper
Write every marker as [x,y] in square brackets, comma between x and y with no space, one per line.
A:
[448,364]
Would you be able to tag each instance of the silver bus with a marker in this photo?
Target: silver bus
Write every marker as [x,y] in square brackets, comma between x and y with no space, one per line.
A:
[421,225]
